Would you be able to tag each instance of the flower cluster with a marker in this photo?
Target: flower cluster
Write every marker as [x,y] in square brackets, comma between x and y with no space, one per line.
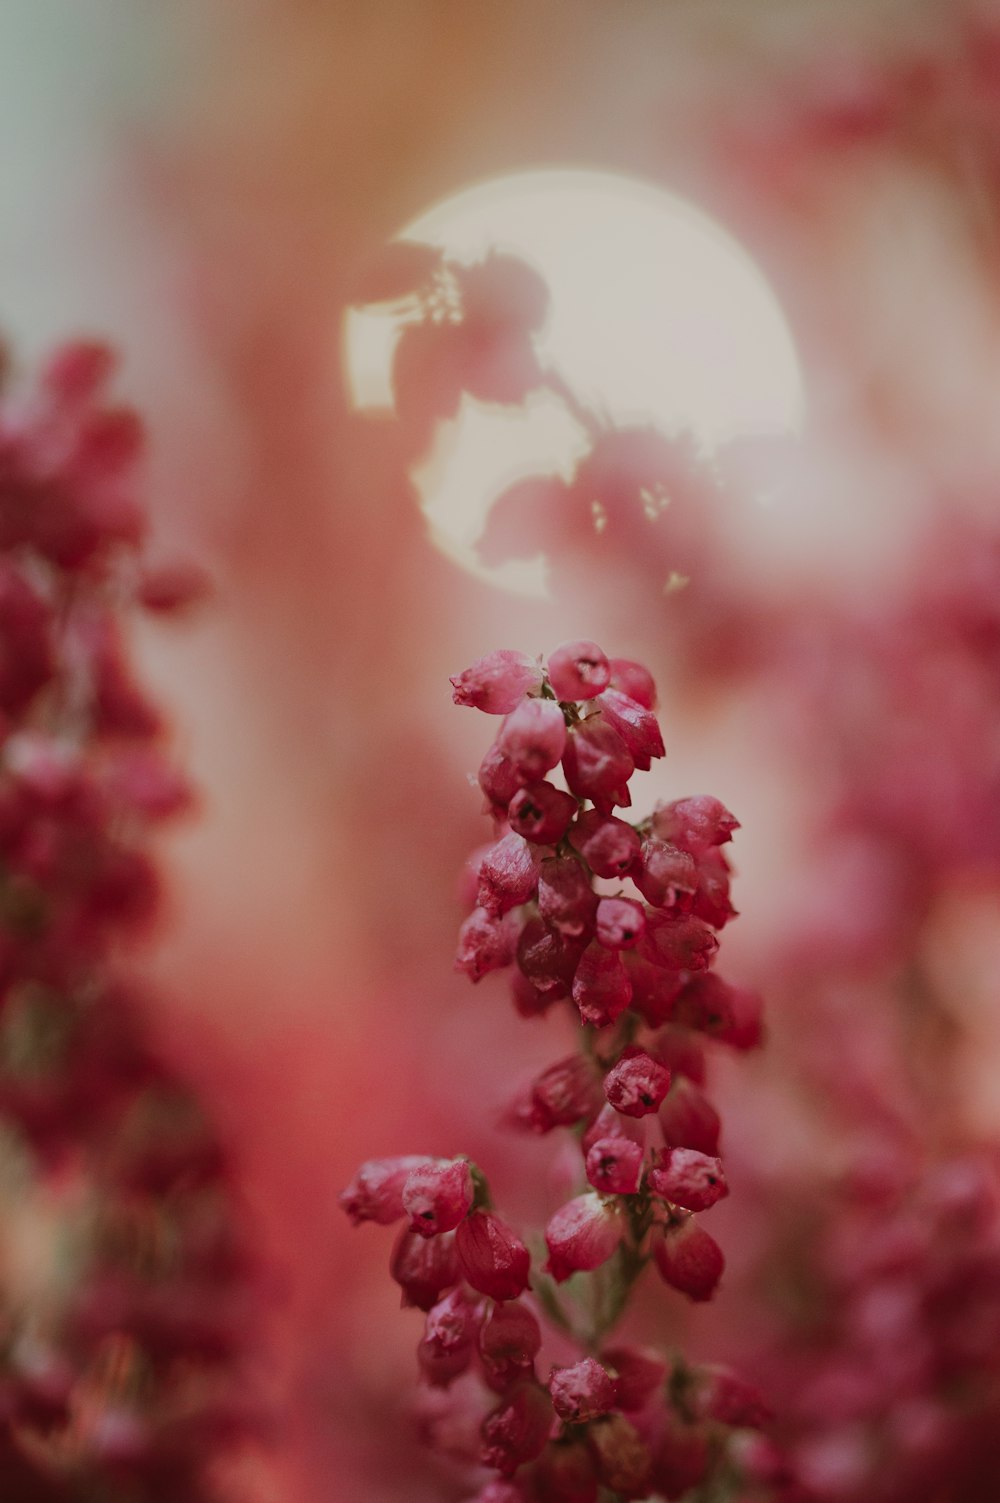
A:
[118,1354]
[618,921]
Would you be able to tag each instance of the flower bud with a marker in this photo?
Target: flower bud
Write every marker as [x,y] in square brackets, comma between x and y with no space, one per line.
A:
[688,1119]
[497,682]
[601,987]
[564,1094]
[679,942]
[440,1367]
[607,844]
[518,1429]
[688,1258]
[541,813]
[688,1178]
[499,779]
[614,1165]
[624,1463]
[493,1259]
[598,764]
[654,990]
[722,1396]
[619,923]
[609,1124]
[637,1374]
[509,1341]
[437,1196]
[533,738]
[637,1084]
[566,900]
[452,1323]
[637,726]
[485,943]
[376,1191]
[582,1392]
[578,670]
[711,897]
[664,873]
[694,823]
[424,1267]
[508,875]
[582,1235]
[635,681]
[547,959]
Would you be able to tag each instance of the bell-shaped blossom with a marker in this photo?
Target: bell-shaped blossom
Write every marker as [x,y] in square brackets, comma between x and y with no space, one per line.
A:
[664,874]
[637,1084]
[634,680]
[582,1392]
[614,1165]
[509,1341]
[688,1119]
[497,682]
[601,987]
[541,813]
[578,670]
[654,989]
[619,923]
[518,1429]
[582,1235]
[424,1267]
[493,1258]
[694,823]
[547,959]
[598,764]
[508,875]
[499,779]
[710,900]
[438,1195]
[729,1013]
[486,942]
[688,1258]
[376,1191]
[637,726]
[566,900]
[533,738]
[638,1373]
[679,942]
[607,844]
[688,1178]
[564,1094]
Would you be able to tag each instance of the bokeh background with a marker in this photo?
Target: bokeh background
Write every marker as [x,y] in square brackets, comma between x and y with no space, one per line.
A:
[211,187]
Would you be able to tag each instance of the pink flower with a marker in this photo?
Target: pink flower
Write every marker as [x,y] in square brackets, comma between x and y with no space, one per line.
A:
[634,680]
[508,875]
[533,737]
[566,900]
[564,1094]
[679,942]
[493,1258]
[582,1235]
[607,844]
[694,823]
[424,1267]
[497,682]
[486,942]
[637,726]
[518,1429]
[637,1084]
[688,1178]
[509,1341]
[688,1258]
[578,670]
[581,1392]
[688,1118]
[437,1196]
[598,764]
[619,923]
[601,987]
[541,813]
[637,1374]
[664,873]
[614,1165]
[376,1191]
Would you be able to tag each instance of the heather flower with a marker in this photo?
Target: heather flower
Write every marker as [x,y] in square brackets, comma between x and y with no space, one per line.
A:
[664,873]
[509,1341]
[582,1235]
[518,1429]
[499,779]
[637,1374]
[607,844]
[601,986]
[614,1165]
[637,1084]
[688,1178]
[547,959]
[486,942]
[497,682]
[636,725]
[437,1196]
[578,670]
[563,1094]
[566,900]
[679,942]
[597,764]
[424,1267]
[634,680]
[694,824]
[541,813]
[376,1191]
[533,737]
[582,1392]
[508,875]
[493,1259]
[688,1258]
[619,923]
[688,1118]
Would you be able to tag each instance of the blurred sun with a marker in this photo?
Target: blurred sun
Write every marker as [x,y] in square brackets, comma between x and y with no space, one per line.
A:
[656,315]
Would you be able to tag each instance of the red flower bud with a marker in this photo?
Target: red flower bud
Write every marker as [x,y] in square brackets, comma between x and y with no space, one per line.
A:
[497,682]
[688,1118]
[635,681]
[541,813]
[582,1235]
[654,990]
[582,1392]
[679,942]
[518,1429]
[601,987]
[509,1342]
[637,1084]
[486,943]
[694,823]
[688,1258]
[493,1259]
[499,779]
[598,764]
[607,844]
[566,900]
[663,873]
[711,898]
[564,1094]
[578,670]
[452,1323]
[533,737]
[439,1367]
[614,1165]
[424,1267]
[547,959]
[620,921]
[376,1191]
[437,1196]
[637,1375]
[637,726]
[688,1178]
[508,875]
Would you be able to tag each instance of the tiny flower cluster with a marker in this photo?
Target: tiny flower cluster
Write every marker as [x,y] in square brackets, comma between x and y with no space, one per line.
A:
[619,921]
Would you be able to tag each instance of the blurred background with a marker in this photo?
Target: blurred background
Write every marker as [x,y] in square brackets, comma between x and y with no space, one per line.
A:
[724,399]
